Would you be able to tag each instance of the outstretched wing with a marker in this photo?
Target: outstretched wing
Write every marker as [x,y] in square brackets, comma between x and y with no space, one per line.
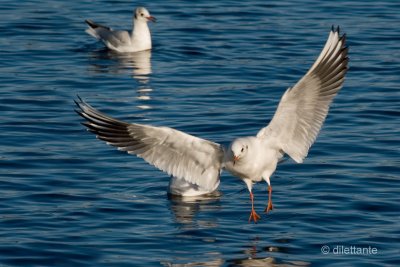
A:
[193,159]
[303,108]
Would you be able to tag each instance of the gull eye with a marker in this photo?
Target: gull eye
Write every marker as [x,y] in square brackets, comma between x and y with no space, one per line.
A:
[242,149]
[141,14]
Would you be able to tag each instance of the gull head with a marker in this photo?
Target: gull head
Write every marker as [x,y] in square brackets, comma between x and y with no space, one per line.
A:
[239,148]
[142,14]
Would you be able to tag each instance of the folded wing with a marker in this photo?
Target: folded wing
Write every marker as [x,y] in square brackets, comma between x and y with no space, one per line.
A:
[110,37]
[304,107]
[193,159]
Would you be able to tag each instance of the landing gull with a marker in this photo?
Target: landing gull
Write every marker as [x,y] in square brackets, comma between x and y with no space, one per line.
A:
[123,41]
[194,161]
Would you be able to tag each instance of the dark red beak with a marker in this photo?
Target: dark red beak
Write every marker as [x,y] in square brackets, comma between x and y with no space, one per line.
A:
[151,18]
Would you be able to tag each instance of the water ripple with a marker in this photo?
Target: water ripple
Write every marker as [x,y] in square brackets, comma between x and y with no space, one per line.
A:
[217,70]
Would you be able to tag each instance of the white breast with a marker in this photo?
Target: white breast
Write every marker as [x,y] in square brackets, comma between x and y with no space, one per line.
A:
[259,161]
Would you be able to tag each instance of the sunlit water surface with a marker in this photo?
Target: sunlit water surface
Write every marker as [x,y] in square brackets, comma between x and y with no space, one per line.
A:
[217,70]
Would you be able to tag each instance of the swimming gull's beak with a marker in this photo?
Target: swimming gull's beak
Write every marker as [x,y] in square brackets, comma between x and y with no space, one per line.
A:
[151,18]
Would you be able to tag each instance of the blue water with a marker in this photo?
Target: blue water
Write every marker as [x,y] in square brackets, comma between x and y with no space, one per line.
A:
[217,70]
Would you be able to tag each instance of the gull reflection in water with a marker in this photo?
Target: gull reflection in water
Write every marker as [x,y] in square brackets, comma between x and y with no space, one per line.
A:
[185,210]
[250,262]
[212,263]
[137,64]
[252,259]
[268,262]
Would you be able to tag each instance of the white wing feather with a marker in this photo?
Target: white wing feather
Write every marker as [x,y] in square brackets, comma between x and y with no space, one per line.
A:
[303,108]
[193,159]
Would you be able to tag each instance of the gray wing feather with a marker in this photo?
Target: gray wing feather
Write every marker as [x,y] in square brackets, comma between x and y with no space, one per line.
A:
[112,38]
[304,107]
[184,156]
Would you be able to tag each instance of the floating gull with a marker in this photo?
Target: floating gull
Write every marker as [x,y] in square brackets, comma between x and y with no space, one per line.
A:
[195,164]
[123,41]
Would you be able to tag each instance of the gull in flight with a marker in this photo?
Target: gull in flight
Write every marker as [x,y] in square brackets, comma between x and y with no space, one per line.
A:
[194,161]
[123,41]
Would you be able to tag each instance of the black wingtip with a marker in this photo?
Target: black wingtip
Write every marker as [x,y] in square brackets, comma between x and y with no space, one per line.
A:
[80,113]
[94,25]
[345,50]
[86,124]
[337,29]
[78,102]
[343,38]
[91,23]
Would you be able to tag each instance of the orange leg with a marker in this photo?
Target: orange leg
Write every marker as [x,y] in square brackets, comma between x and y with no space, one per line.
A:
[253,215]
[269,206]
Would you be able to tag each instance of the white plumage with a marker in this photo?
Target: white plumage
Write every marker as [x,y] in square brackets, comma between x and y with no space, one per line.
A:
[195,164]
[123,41]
